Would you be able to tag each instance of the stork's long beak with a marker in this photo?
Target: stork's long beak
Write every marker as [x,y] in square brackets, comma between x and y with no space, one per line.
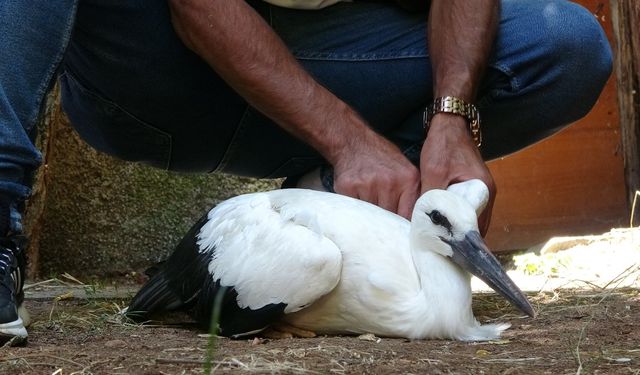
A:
[473,255]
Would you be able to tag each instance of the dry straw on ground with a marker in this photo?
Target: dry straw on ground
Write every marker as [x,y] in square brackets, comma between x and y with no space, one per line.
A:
[585,291]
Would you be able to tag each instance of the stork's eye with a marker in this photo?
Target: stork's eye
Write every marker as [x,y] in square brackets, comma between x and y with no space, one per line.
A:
[439,219]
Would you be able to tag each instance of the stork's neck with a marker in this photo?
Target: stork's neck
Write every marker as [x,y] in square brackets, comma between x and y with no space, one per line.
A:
[435,269]
[443,308]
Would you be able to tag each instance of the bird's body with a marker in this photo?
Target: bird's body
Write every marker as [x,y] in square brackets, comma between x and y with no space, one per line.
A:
[321,262]
[369,301]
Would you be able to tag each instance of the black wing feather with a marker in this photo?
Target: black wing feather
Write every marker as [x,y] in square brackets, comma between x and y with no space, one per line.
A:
[178,282]
[234,321]
[183,281]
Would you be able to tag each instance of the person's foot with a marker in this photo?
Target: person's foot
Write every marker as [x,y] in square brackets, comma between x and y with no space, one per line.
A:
[12,272]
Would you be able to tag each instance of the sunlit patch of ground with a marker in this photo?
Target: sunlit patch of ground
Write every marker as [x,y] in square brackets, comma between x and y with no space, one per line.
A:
[610,260]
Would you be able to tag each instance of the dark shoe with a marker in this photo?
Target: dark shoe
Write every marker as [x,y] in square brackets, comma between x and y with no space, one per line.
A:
[12,272]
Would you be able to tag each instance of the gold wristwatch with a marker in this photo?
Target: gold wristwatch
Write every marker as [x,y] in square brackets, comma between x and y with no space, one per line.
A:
[456,106]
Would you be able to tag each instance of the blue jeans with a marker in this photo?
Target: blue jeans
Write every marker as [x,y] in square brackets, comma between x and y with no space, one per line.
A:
[131,88]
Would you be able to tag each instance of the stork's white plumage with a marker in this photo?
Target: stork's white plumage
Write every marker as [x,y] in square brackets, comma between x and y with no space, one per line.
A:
[332,264]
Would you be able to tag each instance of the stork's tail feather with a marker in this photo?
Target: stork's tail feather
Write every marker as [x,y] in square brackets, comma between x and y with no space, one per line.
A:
[154,297]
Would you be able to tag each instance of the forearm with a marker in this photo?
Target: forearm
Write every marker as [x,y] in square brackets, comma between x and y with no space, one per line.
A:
[244,51]
[461,35]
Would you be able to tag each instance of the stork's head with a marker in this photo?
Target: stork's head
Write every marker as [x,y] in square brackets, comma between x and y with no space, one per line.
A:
[447,220]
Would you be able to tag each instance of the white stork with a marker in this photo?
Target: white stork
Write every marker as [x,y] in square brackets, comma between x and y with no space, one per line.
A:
[331,264]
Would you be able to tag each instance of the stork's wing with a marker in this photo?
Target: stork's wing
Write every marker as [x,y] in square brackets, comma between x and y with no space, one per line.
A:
[274,259]
[260,258]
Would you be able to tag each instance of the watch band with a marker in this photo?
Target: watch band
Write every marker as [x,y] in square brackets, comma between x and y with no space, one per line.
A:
[456,106]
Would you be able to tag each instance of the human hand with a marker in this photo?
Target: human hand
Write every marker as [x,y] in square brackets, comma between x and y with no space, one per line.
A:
[449,155]
[374,170]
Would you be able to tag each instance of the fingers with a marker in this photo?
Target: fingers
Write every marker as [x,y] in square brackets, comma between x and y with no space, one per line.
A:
[406,203]
[387,200]
[434,176]
[484,220]
[378,172]
[398,196]
[392,187]
[449,156]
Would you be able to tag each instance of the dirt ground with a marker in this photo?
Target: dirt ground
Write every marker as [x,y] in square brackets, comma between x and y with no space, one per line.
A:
[589,330]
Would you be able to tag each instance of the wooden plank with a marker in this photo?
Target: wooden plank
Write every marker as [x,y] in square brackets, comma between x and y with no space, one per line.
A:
[570,184]
[626,26]
[34,218]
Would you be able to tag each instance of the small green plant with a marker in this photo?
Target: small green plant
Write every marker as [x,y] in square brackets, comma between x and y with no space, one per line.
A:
[544,264]
[214,328]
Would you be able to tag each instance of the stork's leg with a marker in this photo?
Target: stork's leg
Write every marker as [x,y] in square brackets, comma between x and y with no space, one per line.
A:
[286,331]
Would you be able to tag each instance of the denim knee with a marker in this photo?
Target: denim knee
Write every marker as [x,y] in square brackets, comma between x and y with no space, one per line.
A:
[580,53]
